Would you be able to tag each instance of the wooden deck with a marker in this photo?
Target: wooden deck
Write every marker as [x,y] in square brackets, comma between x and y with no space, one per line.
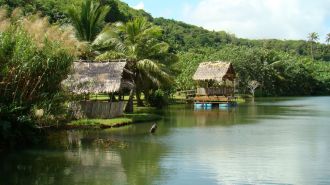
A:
[214,99]
[219,91]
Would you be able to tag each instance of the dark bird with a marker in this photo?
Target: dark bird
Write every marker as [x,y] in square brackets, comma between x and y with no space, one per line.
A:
[153,128]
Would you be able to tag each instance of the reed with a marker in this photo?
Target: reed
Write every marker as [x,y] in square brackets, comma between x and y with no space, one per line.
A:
[35,57]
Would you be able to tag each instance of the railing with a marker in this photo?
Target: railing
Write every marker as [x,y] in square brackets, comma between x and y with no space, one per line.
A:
[221,91]
[97,109]
[188,93]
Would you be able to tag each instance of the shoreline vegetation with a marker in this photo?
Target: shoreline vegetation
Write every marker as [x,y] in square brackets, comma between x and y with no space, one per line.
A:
[127,119]
[140,115]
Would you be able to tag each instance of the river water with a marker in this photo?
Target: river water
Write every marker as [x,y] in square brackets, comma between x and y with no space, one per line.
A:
[268,141]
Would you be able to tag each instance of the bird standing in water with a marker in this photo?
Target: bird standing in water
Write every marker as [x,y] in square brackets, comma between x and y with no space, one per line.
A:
[153,128]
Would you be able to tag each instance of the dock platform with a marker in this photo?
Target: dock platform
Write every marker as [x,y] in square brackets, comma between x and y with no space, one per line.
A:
[212,101]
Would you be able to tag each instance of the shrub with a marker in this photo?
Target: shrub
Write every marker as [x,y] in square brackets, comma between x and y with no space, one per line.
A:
[35,57]
[158,98]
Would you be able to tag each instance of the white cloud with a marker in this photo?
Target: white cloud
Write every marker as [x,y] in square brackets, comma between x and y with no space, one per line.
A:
[139,6]
[283,19]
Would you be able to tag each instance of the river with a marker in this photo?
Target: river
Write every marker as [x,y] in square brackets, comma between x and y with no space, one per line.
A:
[268,141]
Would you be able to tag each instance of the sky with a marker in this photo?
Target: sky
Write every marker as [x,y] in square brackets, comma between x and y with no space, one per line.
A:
[254,19]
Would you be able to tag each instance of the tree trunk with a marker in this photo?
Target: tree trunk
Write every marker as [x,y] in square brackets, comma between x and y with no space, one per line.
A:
[146,94]
[312,50]
[138,98]
[113,98]
[129,105]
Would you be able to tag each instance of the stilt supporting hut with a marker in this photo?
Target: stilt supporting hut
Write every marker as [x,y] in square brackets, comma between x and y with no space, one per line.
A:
[215,84]
[94,78]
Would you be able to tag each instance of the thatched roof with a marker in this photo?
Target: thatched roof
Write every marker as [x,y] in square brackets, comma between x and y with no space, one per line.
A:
[218,71]
[95,77]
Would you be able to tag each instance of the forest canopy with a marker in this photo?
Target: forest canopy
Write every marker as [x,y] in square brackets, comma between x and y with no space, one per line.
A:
[284,67]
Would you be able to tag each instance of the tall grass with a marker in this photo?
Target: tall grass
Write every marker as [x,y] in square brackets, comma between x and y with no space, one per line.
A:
[35,57]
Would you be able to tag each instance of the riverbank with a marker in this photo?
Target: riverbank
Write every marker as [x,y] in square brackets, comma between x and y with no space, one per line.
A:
[127,119]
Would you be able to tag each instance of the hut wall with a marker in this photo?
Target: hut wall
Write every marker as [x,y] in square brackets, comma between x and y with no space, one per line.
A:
[201,91]
[99,109]
[220,91]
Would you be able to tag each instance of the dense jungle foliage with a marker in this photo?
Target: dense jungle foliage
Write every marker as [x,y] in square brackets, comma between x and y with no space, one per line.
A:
[280,73]
[40,41]
[194,44]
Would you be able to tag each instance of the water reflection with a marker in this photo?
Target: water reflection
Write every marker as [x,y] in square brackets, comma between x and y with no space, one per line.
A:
[225,116]
[264,142]
[86,157]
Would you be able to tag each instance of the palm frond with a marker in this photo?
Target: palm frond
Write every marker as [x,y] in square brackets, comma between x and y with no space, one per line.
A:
[151,70]
[110,55]
[88,19]
[152,32]
[138,40]
[110,38]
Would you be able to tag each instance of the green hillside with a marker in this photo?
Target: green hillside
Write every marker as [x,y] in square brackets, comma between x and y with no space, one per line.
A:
[194,44]
[179,35]
[182,37]
[56,10]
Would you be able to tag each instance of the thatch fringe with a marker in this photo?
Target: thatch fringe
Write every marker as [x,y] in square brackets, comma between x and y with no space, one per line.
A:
[95,77]
[217,71]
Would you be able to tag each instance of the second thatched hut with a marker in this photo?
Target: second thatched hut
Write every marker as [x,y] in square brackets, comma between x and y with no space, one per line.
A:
[215,81]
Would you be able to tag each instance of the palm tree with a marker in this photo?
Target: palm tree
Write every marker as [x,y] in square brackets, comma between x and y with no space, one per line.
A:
[138,42]
[312,38]
[327,39]
[88,19]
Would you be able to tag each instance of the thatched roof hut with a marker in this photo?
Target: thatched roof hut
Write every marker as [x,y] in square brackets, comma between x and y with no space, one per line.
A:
[96,77]
[215,79]
[218,71]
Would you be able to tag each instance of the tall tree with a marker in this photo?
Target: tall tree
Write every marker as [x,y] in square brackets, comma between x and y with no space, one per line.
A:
[327,39]
[88,19]
[253,85]
[139,42]
[312,38]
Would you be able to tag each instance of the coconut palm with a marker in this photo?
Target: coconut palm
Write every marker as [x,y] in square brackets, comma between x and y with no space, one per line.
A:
[312,38]
[327,39]
[88,19]
[138,42]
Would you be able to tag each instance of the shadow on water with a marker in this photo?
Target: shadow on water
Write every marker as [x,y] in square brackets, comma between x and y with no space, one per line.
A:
[86,157]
